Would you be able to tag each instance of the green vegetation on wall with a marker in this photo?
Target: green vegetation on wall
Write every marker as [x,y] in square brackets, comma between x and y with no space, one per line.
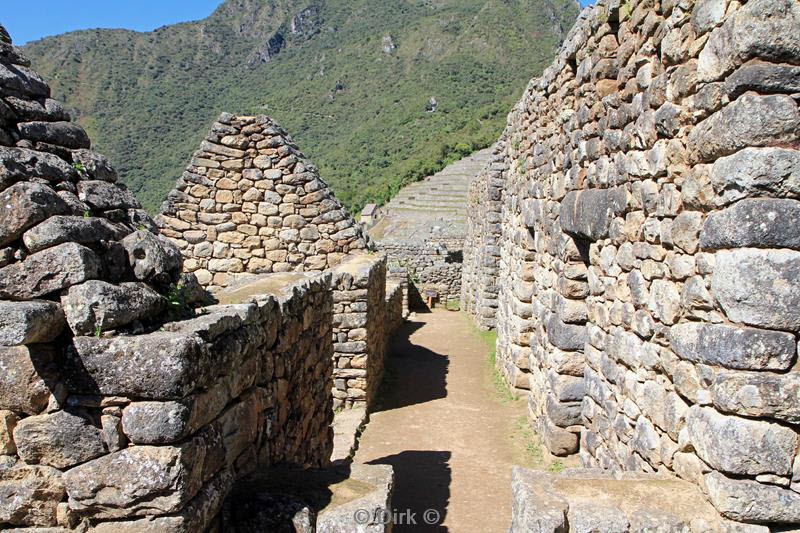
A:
[358,110]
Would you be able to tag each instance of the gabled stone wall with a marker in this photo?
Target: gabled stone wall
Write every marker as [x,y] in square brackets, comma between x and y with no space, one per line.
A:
[250,202]
[648,261]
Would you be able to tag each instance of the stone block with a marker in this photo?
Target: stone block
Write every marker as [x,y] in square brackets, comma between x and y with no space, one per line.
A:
[758,394]
[20,164]
[29,495]
[156,366]
[58,133]
[569,337]
[757,223]
[733,347]
[24,206]
[61,440]
[757,172]
[60,229]
[98,306]
[587,214]
[48,271]
[153,257]
[8,421]
[36,321]
[745,500]
[741,446]
[759,287]
[29,375]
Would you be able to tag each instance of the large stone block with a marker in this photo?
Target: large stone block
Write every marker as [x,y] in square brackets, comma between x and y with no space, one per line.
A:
[757,172]
[103,195]
[733,347]
[569,337]
[750,501]
[751,120]
[153,257]
[29,495]
[59,439]
[741,446]
[588,214]
[48,271]
[19,164]
[157,366]
[59,229]
[28,374]
[137,481]
[757,223]
[58,133]
[99,306]
[31,322]
[765,29]
[763,77]
[758,394]
[156,422]
[24,205]
[759,287]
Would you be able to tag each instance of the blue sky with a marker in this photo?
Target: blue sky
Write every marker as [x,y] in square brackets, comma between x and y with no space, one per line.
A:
[27,21]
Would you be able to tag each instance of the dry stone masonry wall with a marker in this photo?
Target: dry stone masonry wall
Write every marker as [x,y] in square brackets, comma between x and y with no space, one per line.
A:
[113,415]
[251,203]
[360,329]
[433,265]
[648,258]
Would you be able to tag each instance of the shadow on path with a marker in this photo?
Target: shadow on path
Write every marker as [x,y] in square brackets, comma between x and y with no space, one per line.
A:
[413,374]
[422,489]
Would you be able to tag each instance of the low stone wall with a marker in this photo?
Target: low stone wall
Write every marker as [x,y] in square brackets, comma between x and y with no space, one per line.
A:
[359,329]
[149,432]
[250,202]
[435,264]
[647,278]
[395,311]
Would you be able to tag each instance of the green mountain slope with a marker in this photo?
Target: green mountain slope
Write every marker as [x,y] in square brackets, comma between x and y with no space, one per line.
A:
[350,79]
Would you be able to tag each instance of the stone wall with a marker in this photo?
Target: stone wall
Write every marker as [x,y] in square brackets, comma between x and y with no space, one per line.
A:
[434,264]
[395,311]
[250,202]
[482,245]
[360,329]
[121,407]
[648,258]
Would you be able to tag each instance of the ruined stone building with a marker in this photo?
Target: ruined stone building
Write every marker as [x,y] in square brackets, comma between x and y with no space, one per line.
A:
[635,246]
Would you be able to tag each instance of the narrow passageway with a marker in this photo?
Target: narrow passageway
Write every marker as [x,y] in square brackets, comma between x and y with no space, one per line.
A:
[440,422]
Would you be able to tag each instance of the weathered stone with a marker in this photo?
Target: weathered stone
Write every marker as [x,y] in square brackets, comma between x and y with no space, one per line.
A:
[156,422]
[565,336]
[137,481]
[8,421]
[733,347]
[746,500]
[48,271]
[763,78]
[587,214]
[759,287]
[157,366]
[757,223]
[19,164]
[24,205]
[153,257]
[103,195]
[665,301]
[758,394]
[29,495]
[95,165]
[757,172]
[60,229]
[60,440]
[707,14]
[28,376]
[739,445]
[98,306]
[21,79]
[686,230]
[751,120]
[29,322]
[762,29]
[58,133]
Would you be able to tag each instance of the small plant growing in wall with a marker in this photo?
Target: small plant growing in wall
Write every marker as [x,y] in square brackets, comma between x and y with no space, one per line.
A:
[79,167]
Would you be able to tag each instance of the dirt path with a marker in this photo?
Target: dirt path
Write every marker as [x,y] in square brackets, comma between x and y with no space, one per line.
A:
[443,425]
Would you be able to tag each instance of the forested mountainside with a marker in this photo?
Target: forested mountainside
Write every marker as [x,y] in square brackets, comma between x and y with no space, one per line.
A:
[377,92]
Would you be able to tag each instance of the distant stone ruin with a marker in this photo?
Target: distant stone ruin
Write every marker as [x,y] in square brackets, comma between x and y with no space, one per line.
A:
[636,249]
[250,202]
